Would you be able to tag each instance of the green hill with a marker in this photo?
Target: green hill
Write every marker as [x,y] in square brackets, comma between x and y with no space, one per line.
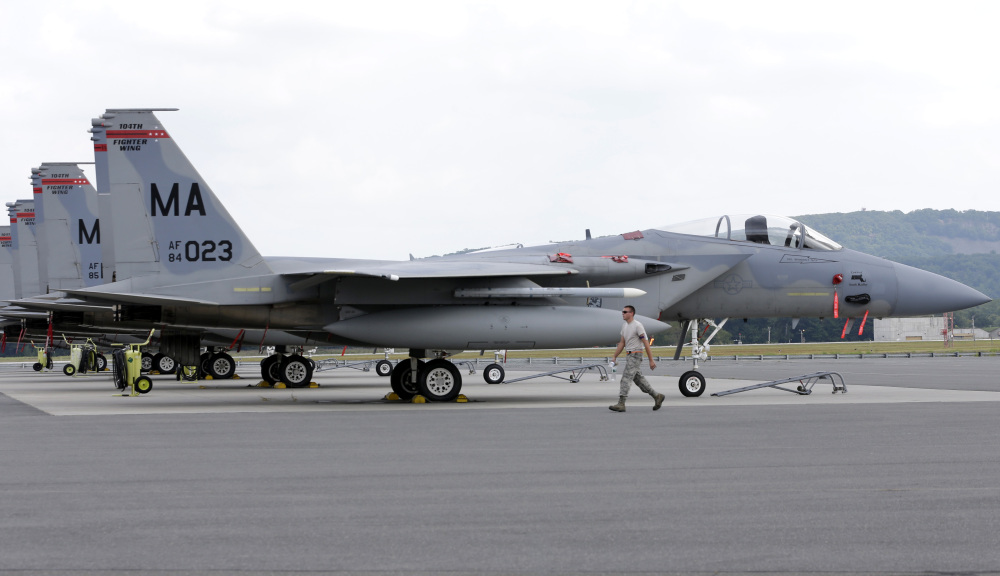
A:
[918,234]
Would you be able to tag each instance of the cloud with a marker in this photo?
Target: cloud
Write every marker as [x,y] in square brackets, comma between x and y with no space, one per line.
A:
[384,128]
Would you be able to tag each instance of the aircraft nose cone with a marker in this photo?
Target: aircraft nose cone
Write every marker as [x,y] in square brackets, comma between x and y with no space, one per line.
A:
[921,292]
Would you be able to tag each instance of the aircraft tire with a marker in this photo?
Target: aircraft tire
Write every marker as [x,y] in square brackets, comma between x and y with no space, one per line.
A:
[142,385]
[494,374]
[268,372]
[147,362]
[164,364]
[692,384]
[69,369]
[296,371]
[203,363]
[439,381]
[399,380]
[101,363]
[383,368]
[37,366]
[221,366]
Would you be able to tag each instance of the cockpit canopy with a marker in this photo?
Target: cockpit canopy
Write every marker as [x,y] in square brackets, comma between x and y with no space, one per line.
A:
[757,228]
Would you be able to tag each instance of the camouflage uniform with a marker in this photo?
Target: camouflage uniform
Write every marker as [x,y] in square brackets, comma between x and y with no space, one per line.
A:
[632,365]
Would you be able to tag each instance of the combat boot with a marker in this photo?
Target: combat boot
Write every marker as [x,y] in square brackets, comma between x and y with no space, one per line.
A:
[620,406]
[659,400]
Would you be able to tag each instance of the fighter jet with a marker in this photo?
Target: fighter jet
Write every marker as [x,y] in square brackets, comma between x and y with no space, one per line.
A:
[182,262]
[69,256]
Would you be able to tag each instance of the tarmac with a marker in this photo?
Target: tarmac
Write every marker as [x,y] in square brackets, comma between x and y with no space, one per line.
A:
[900,475]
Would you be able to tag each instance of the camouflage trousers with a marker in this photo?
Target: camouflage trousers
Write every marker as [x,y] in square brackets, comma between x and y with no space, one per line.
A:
[633,363]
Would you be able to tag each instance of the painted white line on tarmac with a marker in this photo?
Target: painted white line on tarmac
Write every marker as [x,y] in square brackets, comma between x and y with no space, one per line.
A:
[93,395]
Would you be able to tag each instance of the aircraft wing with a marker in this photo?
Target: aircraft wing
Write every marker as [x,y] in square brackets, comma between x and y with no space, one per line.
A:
[61,304]
[149,299]
[430,269]
[15,312]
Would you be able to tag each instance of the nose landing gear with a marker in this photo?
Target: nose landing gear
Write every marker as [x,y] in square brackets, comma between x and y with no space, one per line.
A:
[692,382]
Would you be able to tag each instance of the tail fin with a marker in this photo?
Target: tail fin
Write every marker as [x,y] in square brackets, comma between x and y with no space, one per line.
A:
[67,227]
[6,263]
[24,248]
[165,217]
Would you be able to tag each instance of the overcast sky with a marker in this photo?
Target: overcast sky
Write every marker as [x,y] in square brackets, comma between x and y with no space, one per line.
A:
[379,129]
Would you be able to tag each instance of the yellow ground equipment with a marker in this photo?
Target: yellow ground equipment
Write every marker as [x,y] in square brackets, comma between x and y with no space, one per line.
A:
[83,357]
[127,363]
[44,359]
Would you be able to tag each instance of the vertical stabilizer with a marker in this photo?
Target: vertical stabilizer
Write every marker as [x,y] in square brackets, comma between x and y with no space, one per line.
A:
[7,292]
[165,217]
[36,196]
[97,130]
[69,231]
[24,247]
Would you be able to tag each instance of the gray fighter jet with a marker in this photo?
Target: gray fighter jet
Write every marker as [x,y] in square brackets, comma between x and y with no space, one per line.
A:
[69,256]
[180,261]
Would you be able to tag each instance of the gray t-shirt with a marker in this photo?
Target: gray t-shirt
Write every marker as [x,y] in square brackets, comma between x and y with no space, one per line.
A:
[631,332]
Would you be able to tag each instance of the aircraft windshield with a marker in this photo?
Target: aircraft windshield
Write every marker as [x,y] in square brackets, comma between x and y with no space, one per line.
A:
[757,228]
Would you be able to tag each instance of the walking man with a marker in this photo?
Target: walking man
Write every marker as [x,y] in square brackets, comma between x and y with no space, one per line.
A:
[633,341]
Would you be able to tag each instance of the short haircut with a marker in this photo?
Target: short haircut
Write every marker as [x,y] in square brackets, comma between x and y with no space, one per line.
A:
[631,308]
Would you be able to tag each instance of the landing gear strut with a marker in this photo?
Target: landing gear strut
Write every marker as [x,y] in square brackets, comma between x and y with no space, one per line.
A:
[692,383]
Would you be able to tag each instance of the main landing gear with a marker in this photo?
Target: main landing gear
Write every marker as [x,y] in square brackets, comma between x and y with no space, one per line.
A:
[692,383]
[218,365]
[292,370]
[437,380]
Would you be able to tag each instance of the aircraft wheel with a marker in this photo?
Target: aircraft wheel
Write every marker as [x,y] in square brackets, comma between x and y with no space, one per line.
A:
[143,385]
[37,366]
[101,362]
[296,371]
[203,363]
[147,362]
[69,369]
[164,364]
[692,384]
[493,374]
[268,372]
[440,381]
[400,379]
[222,366]
[383,368]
